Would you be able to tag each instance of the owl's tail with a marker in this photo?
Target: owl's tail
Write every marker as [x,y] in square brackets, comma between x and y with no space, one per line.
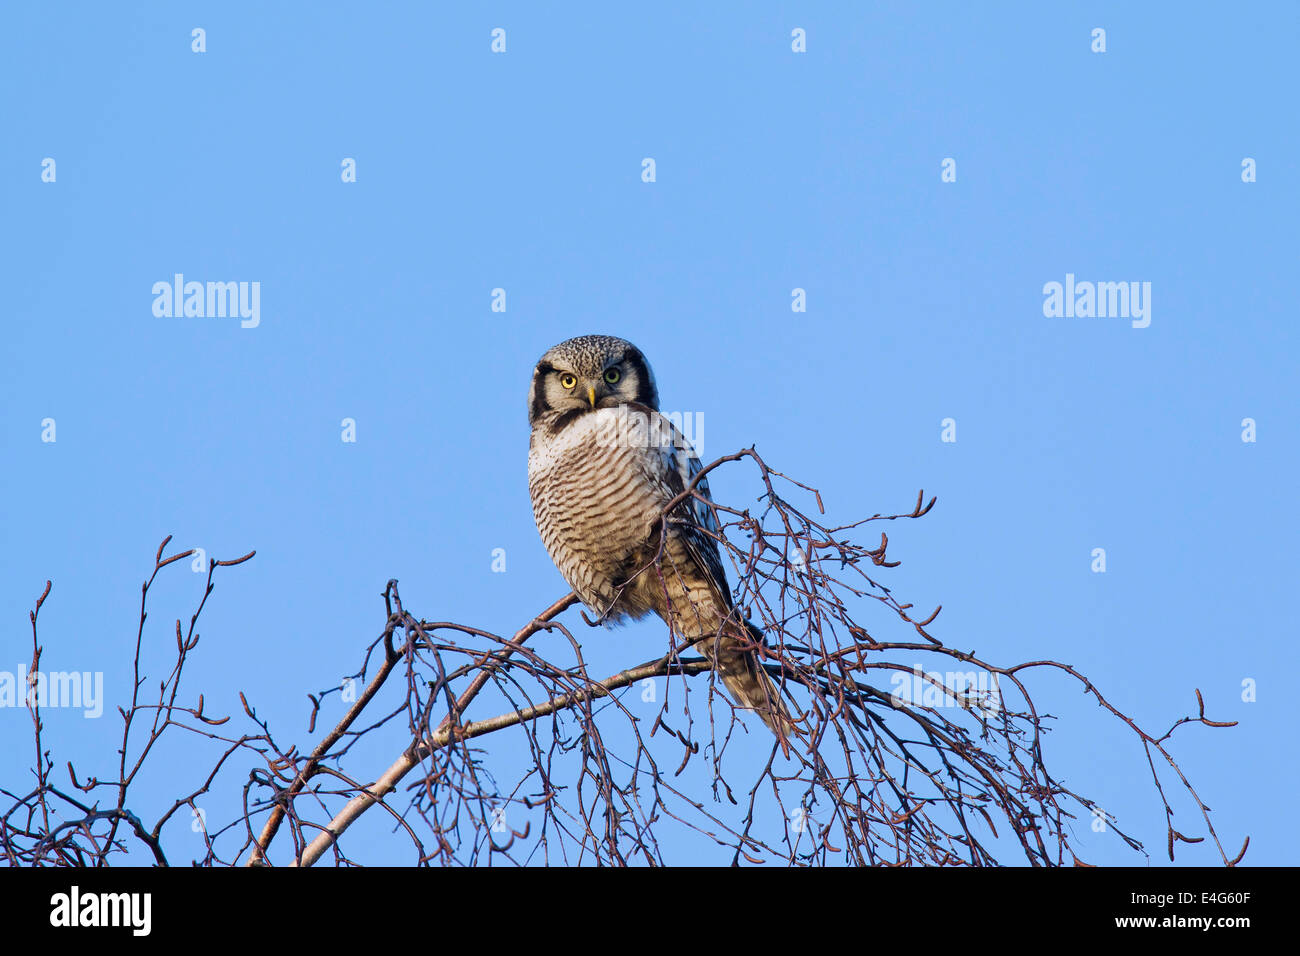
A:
[746,681]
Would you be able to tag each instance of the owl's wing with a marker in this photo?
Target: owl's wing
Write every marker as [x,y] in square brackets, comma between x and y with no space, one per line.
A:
[731,649]
[680,464]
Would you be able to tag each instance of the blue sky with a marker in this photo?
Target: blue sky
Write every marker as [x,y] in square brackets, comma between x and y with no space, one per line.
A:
[775,170]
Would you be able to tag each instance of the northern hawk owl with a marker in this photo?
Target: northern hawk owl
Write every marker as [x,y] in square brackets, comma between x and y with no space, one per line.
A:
[602,465]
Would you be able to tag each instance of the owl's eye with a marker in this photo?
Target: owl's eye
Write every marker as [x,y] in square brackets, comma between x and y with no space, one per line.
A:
[611,375]
[568,380]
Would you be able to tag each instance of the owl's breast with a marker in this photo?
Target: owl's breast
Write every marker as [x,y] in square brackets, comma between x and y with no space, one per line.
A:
[596,497]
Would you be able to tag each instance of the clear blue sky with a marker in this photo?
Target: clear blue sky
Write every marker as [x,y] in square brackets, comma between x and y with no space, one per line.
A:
[775,170]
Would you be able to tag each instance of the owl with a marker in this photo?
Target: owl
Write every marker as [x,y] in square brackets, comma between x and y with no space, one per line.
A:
[602,465]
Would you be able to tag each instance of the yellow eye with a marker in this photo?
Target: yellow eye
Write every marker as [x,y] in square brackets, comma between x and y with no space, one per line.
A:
[568,380]
[611,375]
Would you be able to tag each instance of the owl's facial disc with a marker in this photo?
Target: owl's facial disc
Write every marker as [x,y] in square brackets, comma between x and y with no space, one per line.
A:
[588,373]
[585,389]
[575,387]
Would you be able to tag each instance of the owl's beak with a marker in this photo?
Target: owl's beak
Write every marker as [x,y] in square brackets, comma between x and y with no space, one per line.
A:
[591,394]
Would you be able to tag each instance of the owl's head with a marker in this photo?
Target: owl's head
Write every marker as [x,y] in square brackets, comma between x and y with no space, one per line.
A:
[590,372]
